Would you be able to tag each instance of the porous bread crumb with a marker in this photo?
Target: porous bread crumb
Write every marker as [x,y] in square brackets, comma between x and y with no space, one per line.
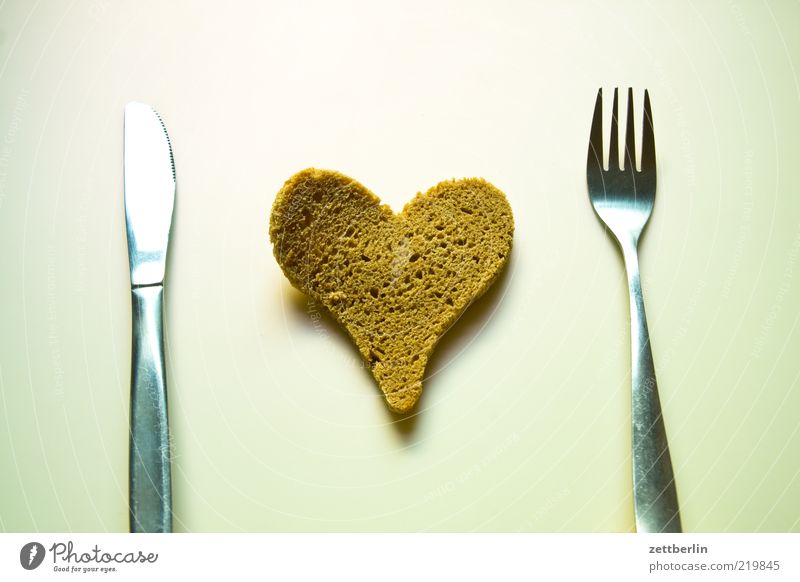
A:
[396,282]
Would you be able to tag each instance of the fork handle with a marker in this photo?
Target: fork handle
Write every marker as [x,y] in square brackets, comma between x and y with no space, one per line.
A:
[150,481]
[654,494]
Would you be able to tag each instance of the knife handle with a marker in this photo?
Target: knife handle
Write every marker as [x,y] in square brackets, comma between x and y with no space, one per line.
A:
[150,480]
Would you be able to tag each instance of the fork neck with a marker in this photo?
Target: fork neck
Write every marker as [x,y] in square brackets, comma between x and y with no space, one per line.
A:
[629,244]
[630,255]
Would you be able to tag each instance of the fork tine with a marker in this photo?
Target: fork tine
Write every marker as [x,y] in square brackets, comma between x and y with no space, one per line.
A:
[648,139]
[613,152]
[630,137]
[596,135]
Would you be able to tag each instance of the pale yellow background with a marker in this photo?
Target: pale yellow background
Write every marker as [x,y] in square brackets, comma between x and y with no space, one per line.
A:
[524,425]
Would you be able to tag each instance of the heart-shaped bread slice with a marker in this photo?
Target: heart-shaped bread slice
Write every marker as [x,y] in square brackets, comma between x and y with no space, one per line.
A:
[396,282]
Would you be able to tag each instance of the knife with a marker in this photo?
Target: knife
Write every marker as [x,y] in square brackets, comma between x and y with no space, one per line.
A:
[149,201]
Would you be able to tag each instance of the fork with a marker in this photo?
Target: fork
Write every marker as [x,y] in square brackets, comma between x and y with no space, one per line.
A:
[623,199]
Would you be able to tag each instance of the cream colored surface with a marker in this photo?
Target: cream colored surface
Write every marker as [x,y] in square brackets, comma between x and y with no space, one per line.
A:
[524,423]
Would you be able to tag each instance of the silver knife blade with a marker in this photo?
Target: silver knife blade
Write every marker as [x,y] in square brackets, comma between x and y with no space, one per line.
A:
[149,192]
[149,203]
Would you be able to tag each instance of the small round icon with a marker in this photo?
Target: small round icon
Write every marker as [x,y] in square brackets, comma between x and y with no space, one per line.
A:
[31,555]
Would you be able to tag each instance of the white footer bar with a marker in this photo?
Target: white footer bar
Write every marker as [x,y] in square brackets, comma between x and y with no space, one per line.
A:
[400,557]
